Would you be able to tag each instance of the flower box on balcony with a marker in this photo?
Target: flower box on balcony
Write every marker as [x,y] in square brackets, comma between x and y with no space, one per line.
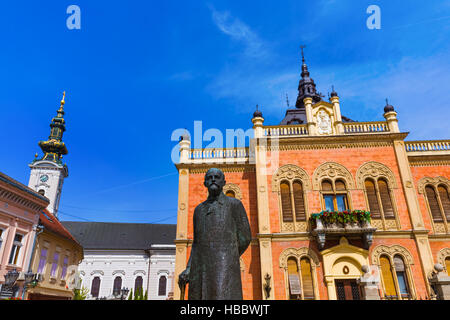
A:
[342,223]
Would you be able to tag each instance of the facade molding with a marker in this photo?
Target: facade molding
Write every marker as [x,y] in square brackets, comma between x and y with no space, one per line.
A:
[235,188]
[432,181]
[375,170]
[290,172]
[332,171]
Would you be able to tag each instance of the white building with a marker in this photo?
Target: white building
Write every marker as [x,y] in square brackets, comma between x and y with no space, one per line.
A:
[126,255]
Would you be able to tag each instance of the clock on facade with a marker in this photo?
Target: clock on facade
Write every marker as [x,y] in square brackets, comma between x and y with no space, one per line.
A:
[44,178]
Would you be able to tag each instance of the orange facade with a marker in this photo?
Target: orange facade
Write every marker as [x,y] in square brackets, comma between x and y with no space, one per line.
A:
[410,227]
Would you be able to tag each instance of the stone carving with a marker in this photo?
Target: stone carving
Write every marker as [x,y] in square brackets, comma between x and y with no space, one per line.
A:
[235,188]
[391,252]
[442,255]
[432,181]
[298,253]
[221,235]
[375,170]
[333,171]
[323,123]
[290,172]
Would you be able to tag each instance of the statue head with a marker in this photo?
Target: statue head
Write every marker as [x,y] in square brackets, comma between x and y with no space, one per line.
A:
[214,181]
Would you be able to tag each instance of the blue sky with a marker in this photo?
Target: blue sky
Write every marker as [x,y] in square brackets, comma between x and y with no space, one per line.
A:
[138,70]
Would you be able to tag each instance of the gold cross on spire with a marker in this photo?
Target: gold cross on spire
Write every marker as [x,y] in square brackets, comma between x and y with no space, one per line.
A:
[64,95]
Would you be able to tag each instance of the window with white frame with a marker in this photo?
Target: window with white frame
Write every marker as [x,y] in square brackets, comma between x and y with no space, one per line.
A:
[162,285]
[64,267]
[54,264]
[15,250]
[42,260]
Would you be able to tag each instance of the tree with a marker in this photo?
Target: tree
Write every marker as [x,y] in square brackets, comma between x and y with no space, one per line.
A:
[130,297]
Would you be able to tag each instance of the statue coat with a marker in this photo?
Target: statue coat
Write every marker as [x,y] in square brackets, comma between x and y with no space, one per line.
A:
[221,235]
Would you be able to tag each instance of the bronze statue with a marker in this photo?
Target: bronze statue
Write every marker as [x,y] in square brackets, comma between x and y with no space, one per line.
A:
[221,235]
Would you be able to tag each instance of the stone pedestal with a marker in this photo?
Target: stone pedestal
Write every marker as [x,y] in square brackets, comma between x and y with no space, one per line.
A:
[369,285]
[440,282]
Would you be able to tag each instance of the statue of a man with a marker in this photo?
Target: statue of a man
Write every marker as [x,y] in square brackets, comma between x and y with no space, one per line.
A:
[221,235]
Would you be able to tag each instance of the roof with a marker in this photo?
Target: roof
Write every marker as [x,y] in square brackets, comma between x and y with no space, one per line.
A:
[51,223]
[20,186]
[125,236]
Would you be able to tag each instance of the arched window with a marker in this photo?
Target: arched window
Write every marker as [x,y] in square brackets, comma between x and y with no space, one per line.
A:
[293,279]
[138,284]
[445,201]
[162,286]
[117,286]
[41,192]
[379,198]
[388,278]
[299,202]
[372,198]
[307,280]
[95,287]
[401,276]
[433,204]
[230,193]
[292,200]
[334,196]
[286,204]
[300,280]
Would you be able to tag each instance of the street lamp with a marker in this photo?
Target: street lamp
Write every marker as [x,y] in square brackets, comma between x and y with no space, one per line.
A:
[10,286]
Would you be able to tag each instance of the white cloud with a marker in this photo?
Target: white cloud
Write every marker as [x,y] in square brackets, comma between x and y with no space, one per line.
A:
[239,31]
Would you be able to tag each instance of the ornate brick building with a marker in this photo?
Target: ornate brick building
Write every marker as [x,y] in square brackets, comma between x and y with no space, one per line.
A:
[315,162]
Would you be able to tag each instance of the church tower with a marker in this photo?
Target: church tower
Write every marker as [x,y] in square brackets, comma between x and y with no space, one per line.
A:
[48,172]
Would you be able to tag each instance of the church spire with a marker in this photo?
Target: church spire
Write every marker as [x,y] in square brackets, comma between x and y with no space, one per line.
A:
[54,148]
[306,86]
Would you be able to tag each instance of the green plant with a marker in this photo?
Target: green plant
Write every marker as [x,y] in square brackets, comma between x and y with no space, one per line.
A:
[329,217]
[130,297]
[80,294]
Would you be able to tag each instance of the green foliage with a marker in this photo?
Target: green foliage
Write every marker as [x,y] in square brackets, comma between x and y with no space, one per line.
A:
[145,295]
[80,294]
[329,217]
[130,297]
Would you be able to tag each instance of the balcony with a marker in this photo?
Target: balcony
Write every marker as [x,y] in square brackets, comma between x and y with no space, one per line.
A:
[428,148]
[353,224]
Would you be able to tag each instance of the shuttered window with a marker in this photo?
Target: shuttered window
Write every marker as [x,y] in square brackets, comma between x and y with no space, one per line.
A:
[326,186]
[447,265]
[373,200]
[307,280]
[286,204]
[433,203]
[386,200]
[445,200]
[299,202]
[340,185]
[95,288]
[388,277]
[293,279]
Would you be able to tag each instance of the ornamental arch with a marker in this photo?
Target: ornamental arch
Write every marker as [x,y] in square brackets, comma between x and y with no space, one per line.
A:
[332,171]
